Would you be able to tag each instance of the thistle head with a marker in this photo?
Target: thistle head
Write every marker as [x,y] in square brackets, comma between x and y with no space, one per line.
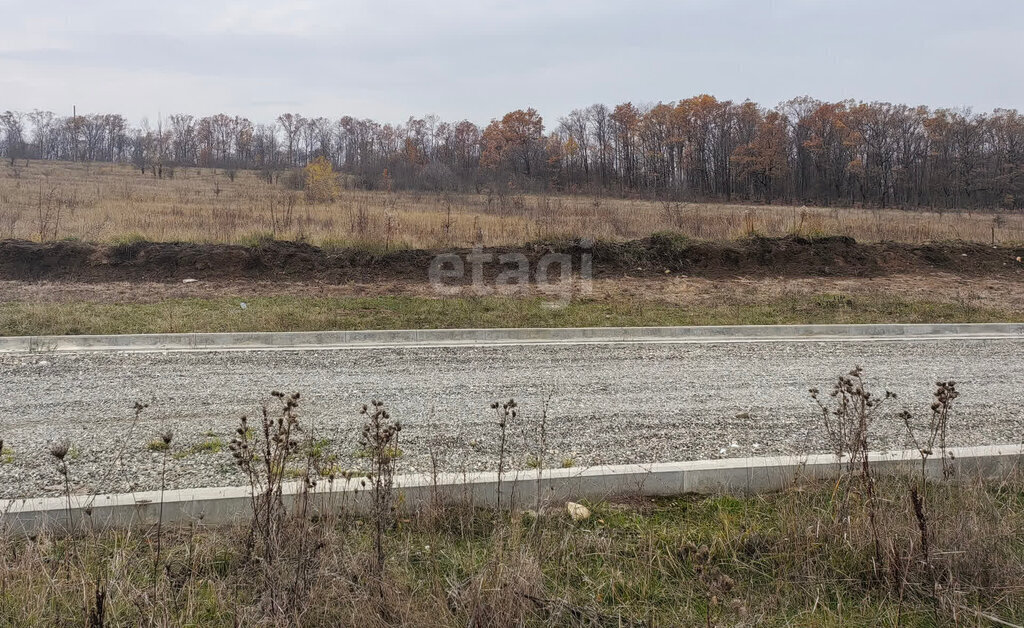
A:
[59,450]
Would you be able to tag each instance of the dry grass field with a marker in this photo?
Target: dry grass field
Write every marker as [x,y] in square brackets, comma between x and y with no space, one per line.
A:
[115,202]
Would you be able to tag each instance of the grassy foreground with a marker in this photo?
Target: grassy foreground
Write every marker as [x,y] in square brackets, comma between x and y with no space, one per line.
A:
[804,557]
[292,313]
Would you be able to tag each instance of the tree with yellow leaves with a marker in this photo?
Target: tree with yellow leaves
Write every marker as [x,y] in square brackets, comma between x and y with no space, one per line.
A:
[321,181]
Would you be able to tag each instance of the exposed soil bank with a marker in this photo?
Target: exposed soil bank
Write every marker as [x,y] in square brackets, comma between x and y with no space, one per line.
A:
[789,256]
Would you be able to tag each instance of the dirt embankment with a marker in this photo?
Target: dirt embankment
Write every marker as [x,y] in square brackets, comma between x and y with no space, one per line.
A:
[292,261]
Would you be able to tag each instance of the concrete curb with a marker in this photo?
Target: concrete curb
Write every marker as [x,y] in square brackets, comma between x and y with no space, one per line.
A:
[224,506]
[457,337]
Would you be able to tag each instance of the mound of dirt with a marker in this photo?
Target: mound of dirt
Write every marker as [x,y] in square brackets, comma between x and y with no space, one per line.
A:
[294,261]
[833,256]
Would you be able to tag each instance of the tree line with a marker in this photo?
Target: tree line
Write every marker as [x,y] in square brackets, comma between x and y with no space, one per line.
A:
[701,148]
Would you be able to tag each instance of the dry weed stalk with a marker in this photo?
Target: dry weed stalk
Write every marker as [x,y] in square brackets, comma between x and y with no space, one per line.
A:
[713,582]
[264,457]
[847,426]
[505,412]
[847,423]
[166,439]
[542,445]
[934,436]
[934,433]
[59,451]
[380,442]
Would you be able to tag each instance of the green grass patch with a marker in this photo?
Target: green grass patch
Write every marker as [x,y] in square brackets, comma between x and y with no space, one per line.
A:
[802,557]
[319,449]
[289,313]
[208,446]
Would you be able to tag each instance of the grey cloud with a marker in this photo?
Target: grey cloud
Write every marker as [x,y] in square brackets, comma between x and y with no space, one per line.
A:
[480,59]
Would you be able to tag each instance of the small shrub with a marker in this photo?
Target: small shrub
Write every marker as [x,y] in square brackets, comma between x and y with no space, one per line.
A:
[127,247]
[669,241]
[320,181]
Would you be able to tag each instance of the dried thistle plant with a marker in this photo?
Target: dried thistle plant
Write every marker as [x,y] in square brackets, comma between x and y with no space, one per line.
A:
[541,450]
[505,413]
[379,439]
[166,437]
[264,456]
[285,542]
[925,440]
[59,451]
[847,422]
[933,435]
[714,583]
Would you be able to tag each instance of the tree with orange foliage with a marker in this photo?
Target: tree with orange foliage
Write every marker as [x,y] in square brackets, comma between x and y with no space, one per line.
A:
[625,120]
[875,154]
[764,160]
[515,139]
[492,143]
[829,143]
[703,132]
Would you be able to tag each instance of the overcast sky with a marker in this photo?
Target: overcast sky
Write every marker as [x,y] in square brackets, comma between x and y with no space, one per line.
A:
[478,59]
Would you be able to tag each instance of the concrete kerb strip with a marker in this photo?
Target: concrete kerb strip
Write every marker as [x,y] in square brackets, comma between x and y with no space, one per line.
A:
[456,337]
[739,476]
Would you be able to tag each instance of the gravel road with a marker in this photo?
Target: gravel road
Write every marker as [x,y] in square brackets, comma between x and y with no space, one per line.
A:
[608,403]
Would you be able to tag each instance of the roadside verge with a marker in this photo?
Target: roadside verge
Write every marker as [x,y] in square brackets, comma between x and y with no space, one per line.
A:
[523,489]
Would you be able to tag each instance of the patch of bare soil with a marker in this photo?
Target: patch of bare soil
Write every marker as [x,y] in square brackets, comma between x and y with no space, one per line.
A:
[294,261]
[987,292]
[1002,293]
